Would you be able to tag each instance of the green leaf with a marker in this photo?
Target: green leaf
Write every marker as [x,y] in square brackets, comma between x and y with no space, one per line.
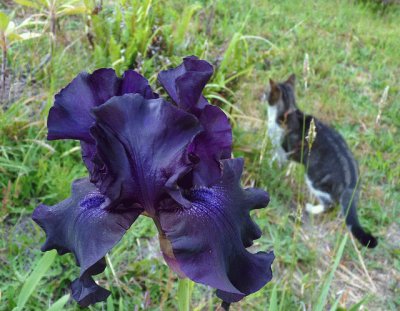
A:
[28,3]
[110,304]
[4,20]
[34,278]
[324,293]
[121,304]
[73,10]
[59,304]
[182,25]
[273,300]
[14,37]
[357,306]
[228,58]
[30,35]
[335,305]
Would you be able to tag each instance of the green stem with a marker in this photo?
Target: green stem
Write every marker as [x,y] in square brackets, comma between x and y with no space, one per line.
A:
[185,289]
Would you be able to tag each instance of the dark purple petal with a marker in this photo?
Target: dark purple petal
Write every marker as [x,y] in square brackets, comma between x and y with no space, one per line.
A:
[70,117]
[88,151]
[132,82]
[84,226]
[185,83]
[211,146]
[141,148]
[85,290]
[209,239]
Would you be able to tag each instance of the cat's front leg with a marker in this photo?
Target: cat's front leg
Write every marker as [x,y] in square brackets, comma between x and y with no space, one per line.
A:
[324,199]
[280,156]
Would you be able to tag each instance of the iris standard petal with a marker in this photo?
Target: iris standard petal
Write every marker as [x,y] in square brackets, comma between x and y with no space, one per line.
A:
[141,148]
[211,146]
[84,226]
[70,118]
[185,83]
[209,239]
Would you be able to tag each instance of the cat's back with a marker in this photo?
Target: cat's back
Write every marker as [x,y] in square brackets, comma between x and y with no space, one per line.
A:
[329,159]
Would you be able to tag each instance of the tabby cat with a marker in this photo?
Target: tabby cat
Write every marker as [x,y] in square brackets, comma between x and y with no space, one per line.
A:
[332,172]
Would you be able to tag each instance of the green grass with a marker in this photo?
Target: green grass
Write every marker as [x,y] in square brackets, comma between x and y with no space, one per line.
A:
[353,56]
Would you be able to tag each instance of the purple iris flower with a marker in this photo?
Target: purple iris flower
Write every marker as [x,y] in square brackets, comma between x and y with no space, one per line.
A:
[171,162]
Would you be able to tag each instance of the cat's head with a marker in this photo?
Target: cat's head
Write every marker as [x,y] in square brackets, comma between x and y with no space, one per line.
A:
[281,96]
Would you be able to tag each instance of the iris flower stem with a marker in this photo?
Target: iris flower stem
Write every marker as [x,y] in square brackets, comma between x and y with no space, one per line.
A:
[185,289]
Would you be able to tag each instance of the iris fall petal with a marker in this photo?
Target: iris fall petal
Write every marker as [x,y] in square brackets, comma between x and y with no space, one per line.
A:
[210,238]
[84,226]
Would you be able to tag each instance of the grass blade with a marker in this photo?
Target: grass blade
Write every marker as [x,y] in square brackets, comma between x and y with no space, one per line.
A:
[34,278]
[59,304]
[358,305]
[273,300]
[4,21]
[336,303]
[110,304]
[324,293]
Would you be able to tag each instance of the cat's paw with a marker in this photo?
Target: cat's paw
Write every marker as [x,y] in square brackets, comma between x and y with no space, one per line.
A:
[315,209]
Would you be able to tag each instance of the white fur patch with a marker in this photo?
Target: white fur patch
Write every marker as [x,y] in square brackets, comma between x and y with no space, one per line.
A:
[320,195]
[276,134]
[315,209]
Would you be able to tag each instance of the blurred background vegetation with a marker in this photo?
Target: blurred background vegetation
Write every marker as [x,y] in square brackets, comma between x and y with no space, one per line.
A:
[346,57]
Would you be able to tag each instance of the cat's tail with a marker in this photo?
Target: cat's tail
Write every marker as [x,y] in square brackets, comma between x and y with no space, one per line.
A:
[348,201]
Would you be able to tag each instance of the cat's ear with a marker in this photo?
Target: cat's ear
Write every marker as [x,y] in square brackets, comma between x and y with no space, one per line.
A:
[273,85]
[291,80]
[275,92]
